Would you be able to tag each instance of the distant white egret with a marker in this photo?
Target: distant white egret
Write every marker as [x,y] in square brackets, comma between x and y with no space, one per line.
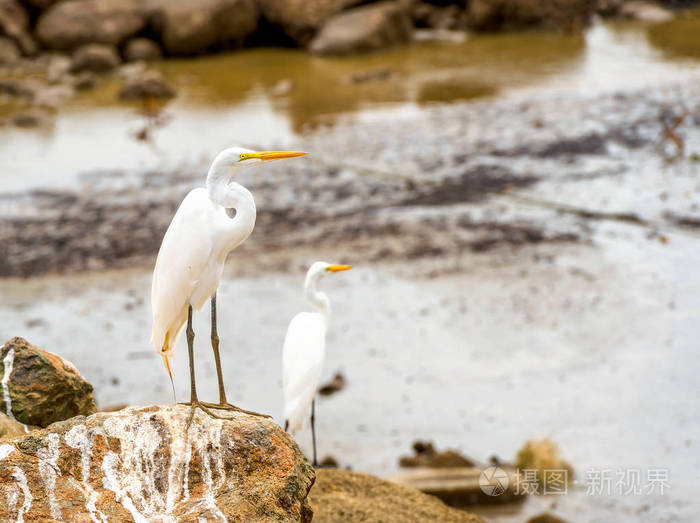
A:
[208,225]
[304,352]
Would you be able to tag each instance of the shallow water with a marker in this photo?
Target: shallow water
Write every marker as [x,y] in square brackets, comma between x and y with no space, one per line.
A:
[231,98]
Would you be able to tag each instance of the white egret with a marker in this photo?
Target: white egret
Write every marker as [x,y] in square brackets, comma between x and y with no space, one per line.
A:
[208,225]
[304,352]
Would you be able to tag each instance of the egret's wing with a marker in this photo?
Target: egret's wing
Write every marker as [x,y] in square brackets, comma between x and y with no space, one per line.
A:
[302,363]
[183,258]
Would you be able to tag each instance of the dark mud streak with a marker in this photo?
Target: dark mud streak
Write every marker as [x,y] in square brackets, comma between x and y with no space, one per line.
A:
[474,184]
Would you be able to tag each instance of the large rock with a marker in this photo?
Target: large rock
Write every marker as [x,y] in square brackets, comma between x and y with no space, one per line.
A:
[143,464]
[9,52]
[645,12]
[146,84]
[341,495]
[300,19]
[39,387]
[14,23]
[97,58]
[364,29]
[72,23]
[142,49]
[190,28]
[489,15]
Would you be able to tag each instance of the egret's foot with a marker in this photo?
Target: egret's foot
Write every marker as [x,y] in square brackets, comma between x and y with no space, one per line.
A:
[228,406]
[203,407]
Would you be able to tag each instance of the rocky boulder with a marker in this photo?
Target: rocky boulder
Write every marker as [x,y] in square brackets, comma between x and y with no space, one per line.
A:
[341,495]
[14,24]
[362,29]
[300,19]
[144,464]
[645,12]
[9,52]
[490,15]
[97,58]
[146,84]
[39,387]
[72,23]
[190,28]
[142,49]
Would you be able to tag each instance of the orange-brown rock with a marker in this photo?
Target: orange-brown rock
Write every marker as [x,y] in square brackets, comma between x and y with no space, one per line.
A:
[39,387]
[143,464]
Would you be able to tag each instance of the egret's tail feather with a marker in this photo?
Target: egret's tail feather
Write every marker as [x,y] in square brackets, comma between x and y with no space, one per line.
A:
[164,354]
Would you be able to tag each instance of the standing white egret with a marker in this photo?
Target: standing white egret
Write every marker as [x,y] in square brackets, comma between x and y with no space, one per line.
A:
[208,225]
[304,352]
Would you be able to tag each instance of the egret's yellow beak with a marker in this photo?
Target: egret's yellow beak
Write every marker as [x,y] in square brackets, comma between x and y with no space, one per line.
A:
[338,268]
[268,156]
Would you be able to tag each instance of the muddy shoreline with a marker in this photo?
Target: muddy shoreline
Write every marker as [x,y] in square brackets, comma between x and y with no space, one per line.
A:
[469,177]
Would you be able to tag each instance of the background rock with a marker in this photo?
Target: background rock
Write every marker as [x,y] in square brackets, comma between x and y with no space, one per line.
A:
[363,28]
[427,456]
[97,58]
[43,388]
[190,28]
[142,464]
[489,15]
[645,12]
[542,455]
[340,495]
[9,52]
[142,49]
[146,84]
[72,23]
[300,19]
[14,23]
[11,428]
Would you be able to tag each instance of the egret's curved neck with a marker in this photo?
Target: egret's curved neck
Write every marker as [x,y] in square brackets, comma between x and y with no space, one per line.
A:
[231,195]
[317,298]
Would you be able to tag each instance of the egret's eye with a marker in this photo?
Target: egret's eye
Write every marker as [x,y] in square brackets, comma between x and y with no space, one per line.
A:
[243,156]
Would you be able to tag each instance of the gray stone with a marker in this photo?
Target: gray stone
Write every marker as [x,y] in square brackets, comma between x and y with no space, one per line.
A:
[362,29]
[14,23]
[645,12]
[300,19]
[190,28]
[9,52]
[142,49]
[148,84]
[72,23]
[97,58]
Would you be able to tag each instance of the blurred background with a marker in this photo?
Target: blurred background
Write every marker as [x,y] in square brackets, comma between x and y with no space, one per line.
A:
[516,183]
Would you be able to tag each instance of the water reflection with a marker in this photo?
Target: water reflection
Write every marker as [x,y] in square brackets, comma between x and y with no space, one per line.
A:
[269,97]
[679,37]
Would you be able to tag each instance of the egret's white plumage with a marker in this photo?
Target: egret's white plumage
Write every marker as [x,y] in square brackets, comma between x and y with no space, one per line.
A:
[302,363]
[200,236]
[304,349]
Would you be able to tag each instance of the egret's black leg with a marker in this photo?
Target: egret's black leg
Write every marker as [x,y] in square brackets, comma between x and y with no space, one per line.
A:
[286,425]
[223,404]
[215,346]
[190,351]
[194,401]
[313,430]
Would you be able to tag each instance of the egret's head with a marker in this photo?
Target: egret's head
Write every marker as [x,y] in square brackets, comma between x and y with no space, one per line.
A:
[320,269]
[241,157]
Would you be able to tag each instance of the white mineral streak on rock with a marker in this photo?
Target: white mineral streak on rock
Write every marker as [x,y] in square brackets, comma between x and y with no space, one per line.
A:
[21,479]
[206,438]
[110,481]
[48,457]
[141,461]
[178,472]
[7,365]
[12,495]
[79,438]
[5,450]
